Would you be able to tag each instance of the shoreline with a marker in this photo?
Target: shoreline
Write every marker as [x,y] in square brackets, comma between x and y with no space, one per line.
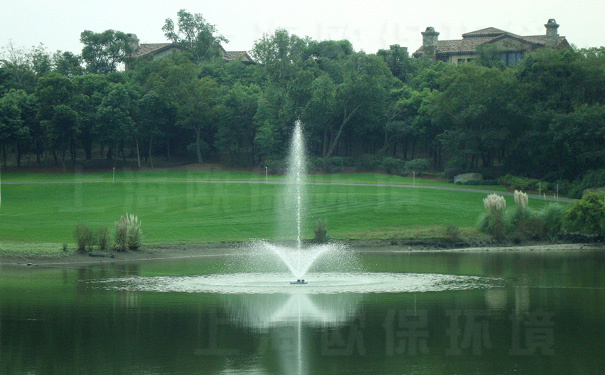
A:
[204,250]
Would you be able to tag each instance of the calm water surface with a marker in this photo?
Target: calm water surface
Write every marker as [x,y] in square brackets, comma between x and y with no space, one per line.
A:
[423,313]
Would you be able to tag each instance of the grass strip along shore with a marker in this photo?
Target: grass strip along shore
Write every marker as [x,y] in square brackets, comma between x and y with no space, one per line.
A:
[39,211]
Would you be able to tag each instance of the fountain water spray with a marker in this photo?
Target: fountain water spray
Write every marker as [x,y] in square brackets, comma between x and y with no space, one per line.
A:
[296,175]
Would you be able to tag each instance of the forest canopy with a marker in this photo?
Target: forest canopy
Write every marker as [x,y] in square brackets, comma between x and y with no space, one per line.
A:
[542,118]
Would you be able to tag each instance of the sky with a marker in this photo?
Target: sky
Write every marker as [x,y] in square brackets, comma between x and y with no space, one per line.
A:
[370,25]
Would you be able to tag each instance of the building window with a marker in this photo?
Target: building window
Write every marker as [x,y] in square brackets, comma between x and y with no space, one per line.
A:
[511,58]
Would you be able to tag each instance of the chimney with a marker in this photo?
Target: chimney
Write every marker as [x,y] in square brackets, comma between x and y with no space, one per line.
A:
[134,41]
[429,41]
[552,33]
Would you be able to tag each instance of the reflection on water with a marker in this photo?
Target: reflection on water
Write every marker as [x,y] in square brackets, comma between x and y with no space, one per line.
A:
[262,311]
[421,314]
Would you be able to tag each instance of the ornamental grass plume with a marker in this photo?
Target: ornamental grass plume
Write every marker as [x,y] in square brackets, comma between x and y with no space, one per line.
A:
[134,232]
[128,233]
[521,199]
[494,203]
[492,222]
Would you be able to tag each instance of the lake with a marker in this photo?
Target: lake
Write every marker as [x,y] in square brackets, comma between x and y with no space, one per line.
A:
[396,313]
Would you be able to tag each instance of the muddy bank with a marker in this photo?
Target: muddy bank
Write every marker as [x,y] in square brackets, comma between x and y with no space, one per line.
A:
[184,251]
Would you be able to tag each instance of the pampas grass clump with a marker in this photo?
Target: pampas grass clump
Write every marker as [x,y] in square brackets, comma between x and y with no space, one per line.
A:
[128,233]
[492,221]
[521,199]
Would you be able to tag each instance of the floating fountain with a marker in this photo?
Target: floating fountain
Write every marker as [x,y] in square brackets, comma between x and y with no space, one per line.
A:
[270,268]
[299,258]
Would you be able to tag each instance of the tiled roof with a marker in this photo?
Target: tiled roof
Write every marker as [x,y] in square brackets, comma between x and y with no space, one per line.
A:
[145,49]
[236,55]
[151,48]
[542,39]
[487,32]
[470,41]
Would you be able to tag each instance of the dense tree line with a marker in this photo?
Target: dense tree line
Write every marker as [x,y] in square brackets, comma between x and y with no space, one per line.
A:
[544,117]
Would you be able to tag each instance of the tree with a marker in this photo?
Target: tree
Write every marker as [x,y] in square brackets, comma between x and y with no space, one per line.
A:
[90,89]
[488,56]
[30,131]
[398,61]
[363,90]
[11,123]
[197,37]
[67,64]
[153,113]
[237,131]
[58,118]
[197,100]
[474,110]
[104,52]
[17,65]
[117,114]
[62,129]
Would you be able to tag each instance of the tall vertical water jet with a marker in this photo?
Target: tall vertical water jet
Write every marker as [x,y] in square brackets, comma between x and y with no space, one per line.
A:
[296,177]
[292,211]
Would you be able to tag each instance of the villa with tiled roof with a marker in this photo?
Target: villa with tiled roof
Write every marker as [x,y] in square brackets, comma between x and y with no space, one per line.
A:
[511,47]
[159,50]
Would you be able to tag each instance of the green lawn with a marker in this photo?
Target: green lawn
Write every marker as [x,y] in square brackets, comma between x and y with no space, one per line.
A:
[181,207]
[183,175]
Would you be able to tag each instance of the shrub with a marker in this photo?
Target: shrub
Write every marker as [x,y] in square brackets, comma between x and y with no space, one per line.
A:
[368,162]
[450,173]
[459,163]
[121,235]
[478,182]
[276,166]
[452,232]
[84,237]
[523,183]
[492,221]
[393,166]
[328,165]
[586,216]
[551,218]
[417,165]
[103,238]
[522,223]
[321,234]
[591,180]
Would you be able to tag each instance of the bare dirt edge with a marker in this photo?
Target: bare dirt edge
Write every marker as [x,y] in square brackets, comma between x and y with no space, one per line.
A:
[185,251]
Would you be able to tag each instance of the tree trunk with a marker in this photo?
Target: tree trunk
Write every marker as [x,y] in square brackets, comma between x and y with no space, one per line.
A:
[346,118]
[18,155]
[136,141]
[150,148]
[198,144]
[88,149]
[38,153]
[168,148]
[122,151]
[63,152]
